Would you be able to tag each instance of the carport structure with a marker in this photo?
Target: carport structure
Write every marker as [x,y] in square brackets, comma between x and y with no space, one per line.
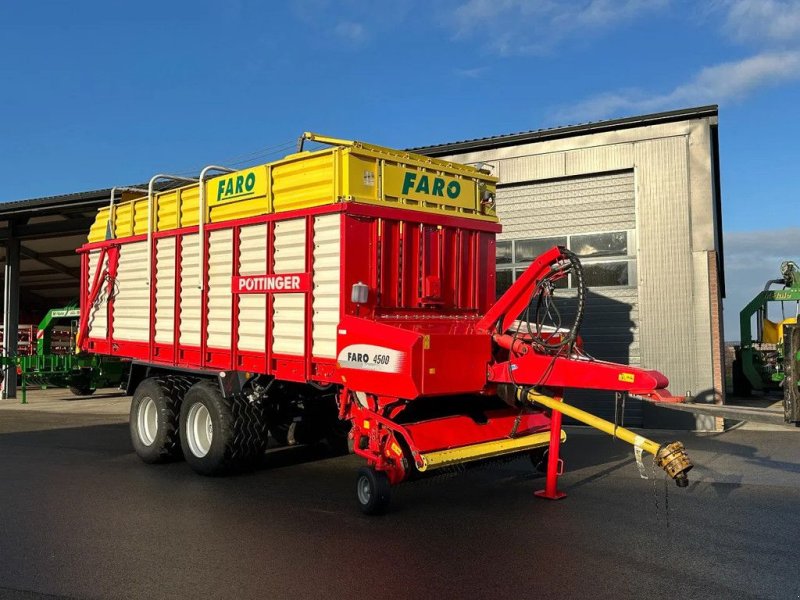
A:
[41,269]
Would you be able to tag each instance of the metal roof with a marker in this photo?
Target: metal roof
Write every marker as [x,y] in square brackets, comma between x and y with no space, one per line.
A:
[77,201]
[18,208]
[497,141]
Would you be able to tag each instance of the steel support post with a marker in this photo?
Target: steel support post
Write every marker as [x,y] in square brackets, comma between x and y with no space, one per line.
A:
[554,463]
[10,313]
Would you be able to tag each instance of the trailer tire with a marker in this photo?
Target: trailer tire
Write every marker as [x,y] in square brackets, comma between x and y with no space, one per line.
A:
[155,408]
[218,434]
[250,432]
[373,491]
[81,391]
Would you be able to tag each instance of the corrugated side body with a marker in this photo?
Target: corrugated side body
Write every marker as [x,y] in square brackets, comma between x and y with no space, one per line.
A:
[275,291]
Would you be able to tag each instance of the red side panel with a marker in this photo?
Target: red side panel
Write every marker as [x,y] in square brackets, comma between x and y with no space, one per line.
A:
[432,275]
[379,359]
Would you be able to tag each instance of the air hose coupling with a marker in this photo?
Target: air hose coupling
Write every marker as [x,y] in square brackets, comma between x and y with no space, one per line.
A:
[673,459]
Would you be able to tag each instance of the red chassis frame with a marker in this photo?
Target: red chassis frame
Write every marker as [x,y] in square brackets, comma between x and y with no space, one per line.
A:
[509,361]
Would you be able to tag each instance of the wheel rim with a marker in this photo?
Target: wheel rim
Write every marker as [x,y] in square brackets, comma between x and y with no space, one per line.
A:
[199,430]
[364,490]
[147,421]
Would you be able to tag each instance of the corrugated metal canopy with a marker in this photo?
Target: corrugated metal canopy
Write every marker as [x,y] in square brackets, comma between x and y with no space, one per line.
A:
[49,204]
[50,230]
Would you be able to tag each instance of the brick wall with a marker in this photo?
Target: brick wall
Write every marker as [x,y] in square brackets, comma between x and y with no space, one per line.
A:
[717,337]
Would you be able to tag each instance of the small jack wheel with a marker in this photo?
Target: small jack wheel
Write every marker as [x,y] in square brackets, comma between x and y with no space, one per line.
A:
[373,491]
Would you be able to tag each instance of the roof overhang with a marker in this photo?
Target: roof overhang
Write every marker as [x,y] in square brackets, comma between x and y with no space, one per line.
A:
[512,139]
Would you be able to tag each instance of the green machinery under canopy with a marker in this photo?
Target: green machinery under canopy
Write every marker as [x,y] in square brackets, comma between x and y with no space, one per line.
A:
[54,362]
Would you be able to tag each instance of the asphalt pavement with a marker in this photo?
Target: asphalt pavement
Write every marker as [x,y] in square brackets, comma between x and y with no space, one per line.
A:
[82,517]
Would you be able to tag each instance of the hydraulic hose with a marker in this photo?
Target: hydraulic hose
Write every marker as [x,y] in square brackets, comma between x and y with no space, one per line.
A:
[542,294]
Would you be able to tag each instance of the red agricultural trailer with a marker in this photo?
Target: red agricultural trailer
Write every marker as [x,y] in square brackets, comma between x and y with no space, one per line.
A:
[350,285]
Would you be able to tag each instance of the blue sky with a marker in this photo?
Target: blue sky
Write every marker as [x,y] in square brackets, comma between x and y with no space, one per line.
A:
[102,93]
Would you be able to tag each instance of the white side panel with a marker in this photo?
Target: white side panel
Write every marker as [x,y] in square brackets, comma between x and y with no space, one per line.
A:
[252,307]
[132,302]
[98,318]
[165,290]
[325,281]
[220,271]
[190,291]
[288,316]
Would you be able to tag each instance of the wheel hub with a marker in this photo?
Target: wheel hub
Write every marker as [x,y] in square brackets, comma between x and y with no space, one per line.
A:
[364,490]
[199,430]
[147,421]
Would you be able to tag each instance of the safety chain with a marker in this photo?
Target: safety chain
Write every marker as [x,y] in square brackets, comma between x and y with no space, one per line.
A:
[108,281]
[666,494]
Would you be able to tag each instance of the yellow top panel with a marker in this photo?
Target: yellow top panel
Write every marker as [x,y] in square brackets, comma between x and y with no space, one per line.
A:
[346,172]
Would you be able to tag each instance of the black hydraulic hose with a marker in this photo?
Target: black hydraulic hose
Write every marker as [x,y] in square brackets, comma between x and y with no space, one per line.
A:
[771,281]
[544,300]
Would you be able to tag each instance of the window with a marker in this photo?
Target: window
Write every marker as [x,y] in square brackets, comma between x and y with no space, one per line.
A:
[608,258]
[604,274]
[600,244]
[527,250]
[504,253]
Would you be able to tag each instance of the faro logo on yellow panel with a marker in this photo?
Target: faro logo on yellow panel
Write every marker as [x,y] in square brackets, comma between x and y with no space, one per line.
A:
[434,186]
[235,186]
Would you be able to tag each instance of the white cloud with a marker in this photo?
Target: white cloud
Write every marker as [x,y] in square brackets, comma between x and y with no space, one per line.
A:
[726,82]
[354,21]
[763,20]
[751,259]
[351,31]
[473,73]
[536,26]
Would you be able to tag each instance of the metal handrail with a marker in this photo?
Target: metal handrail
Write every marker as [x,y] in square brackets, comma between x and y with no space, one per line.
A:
[201,218]
[150,190]
[112,208]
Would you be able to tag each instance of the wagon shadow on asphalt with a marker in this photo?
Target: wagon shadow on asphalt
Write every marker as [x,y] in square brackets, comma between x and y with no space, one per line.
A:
[312,470]
[325,482]
[100,396]
[114,439]
[107,438]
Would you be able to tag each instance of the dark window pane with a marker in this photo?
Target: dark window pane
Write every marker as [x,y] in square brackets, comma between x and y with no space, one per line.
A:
[559,283]
[527,250]
[600,244]
[503,281]
[605,274]
[503,253]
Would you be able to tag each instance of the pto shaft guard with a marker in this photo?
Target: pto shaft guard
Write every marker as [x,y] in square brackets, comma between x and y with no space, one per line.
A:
[671,457]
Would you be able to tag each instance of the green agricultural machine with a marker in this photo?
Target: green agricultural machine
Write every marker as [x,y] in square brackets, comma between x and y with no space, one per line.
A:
[54,362]
[764,361]
[770,361]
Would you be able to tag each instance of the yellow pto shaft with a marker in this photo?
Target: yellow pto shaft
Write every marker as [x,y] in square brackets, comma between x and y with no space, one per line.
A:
[671,457]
